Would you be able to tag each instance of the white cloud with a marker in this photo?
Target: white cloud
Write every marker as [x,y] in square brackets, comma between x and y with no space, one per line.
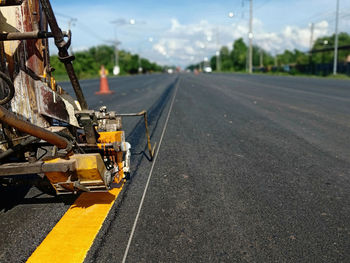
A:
[80,48]
[300,37]
[184,44]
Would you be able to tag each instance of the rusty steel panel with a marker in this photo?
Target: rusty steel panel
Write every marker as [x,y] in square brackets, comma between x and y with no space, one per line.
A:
[23,59]
[23,62]
[50,104]
[54,105]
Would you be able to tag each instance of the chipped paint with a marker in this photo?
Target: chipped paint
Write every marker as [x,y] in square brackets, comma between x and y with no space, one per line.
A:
[23,59]
[54,105]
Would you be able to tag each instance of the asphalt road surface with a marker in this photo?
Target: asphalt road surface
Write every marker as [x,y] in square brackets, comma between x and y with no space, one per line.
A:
[250,169]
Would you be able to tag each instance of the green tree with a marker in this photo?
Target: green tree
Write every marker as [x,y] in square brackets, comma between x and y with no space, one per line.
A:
[226,61]
[213,63]
[239,55]
[88,63]
[328,42]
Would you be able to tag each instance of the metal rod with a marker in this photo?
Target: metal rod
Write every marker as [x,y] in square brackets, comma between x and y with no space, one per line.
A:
[130,114]
[36,131]
[144,114]
[10,2]
[63,52]
[26,35]
[10,151]
[151,152]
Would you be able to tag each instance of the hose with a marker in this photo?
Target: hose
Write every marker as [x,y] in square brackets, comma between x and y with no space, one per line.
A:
[29,128]
[11,88]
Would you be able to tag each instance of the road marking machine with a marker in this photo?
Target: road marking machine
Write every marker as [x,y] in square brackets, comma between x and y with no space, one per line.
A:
[44,131]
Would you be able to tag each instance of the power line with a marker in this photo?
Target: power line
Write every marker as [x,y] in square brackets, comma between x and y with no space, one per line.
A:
[80,24]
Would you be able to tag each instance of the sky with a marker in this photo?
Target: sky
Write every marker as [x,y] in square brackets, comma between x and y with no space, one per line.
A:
[183,32]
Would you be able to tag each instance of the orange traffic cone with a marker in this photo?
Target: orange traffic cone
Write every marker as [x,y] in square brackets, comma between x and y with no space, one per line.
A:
[104,88]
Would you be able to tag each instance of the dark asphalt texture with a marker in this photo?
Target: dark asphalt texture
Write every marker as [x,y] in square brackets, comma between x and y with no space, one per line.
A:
[251,169]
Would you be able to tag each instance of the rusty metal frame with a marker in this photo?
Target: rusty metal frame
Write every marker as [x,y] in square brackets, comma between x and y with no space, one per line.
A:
[66,59]
[63,54]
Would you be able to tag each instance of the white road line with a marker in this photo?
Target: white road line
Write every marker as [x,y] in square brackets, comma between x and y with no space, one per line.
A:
[150,175]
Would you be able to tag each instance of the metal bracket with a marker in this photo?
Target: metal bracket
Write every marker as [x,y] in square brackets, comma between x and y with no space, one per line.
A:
[144,114]
[88,120]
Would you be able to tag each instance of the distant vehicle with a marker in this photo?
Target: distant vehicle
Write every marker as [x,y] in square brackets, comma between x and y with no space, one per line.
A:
[286,68]
[170,71]
[207,69]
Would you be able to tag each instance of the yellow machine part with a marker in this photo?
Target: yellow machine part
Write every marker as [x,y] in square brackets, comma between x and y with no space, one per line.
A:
[111,137]
[90,170]
[114,137]
[89,166]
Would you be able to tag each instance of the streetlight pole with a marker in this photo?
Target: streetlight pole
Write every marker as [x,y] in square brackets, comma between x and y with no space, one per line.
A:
[335,62]
[312,28]
[218,55]
[231,16]
[116,50]
[116,69]
[250,36]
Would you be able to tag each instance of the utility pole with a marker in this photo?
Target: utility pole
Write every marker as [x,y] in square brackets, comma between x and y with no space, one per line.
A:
[139,62]
[261,58]
[275,59]
[116,43]
[116,69]
[250,36]
[276,62]
[247,61]
[312,28]
[336,40]
[116,53]
[218,55]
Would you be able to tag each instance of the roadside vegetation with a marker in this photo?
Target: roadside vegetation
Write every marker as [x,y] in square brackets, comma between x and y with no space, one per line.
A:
[319,62]
[88,63]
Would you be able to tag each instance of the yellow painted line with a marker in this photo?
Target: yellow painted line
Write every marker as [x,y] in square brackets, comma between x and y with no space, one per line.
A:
[73,235]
